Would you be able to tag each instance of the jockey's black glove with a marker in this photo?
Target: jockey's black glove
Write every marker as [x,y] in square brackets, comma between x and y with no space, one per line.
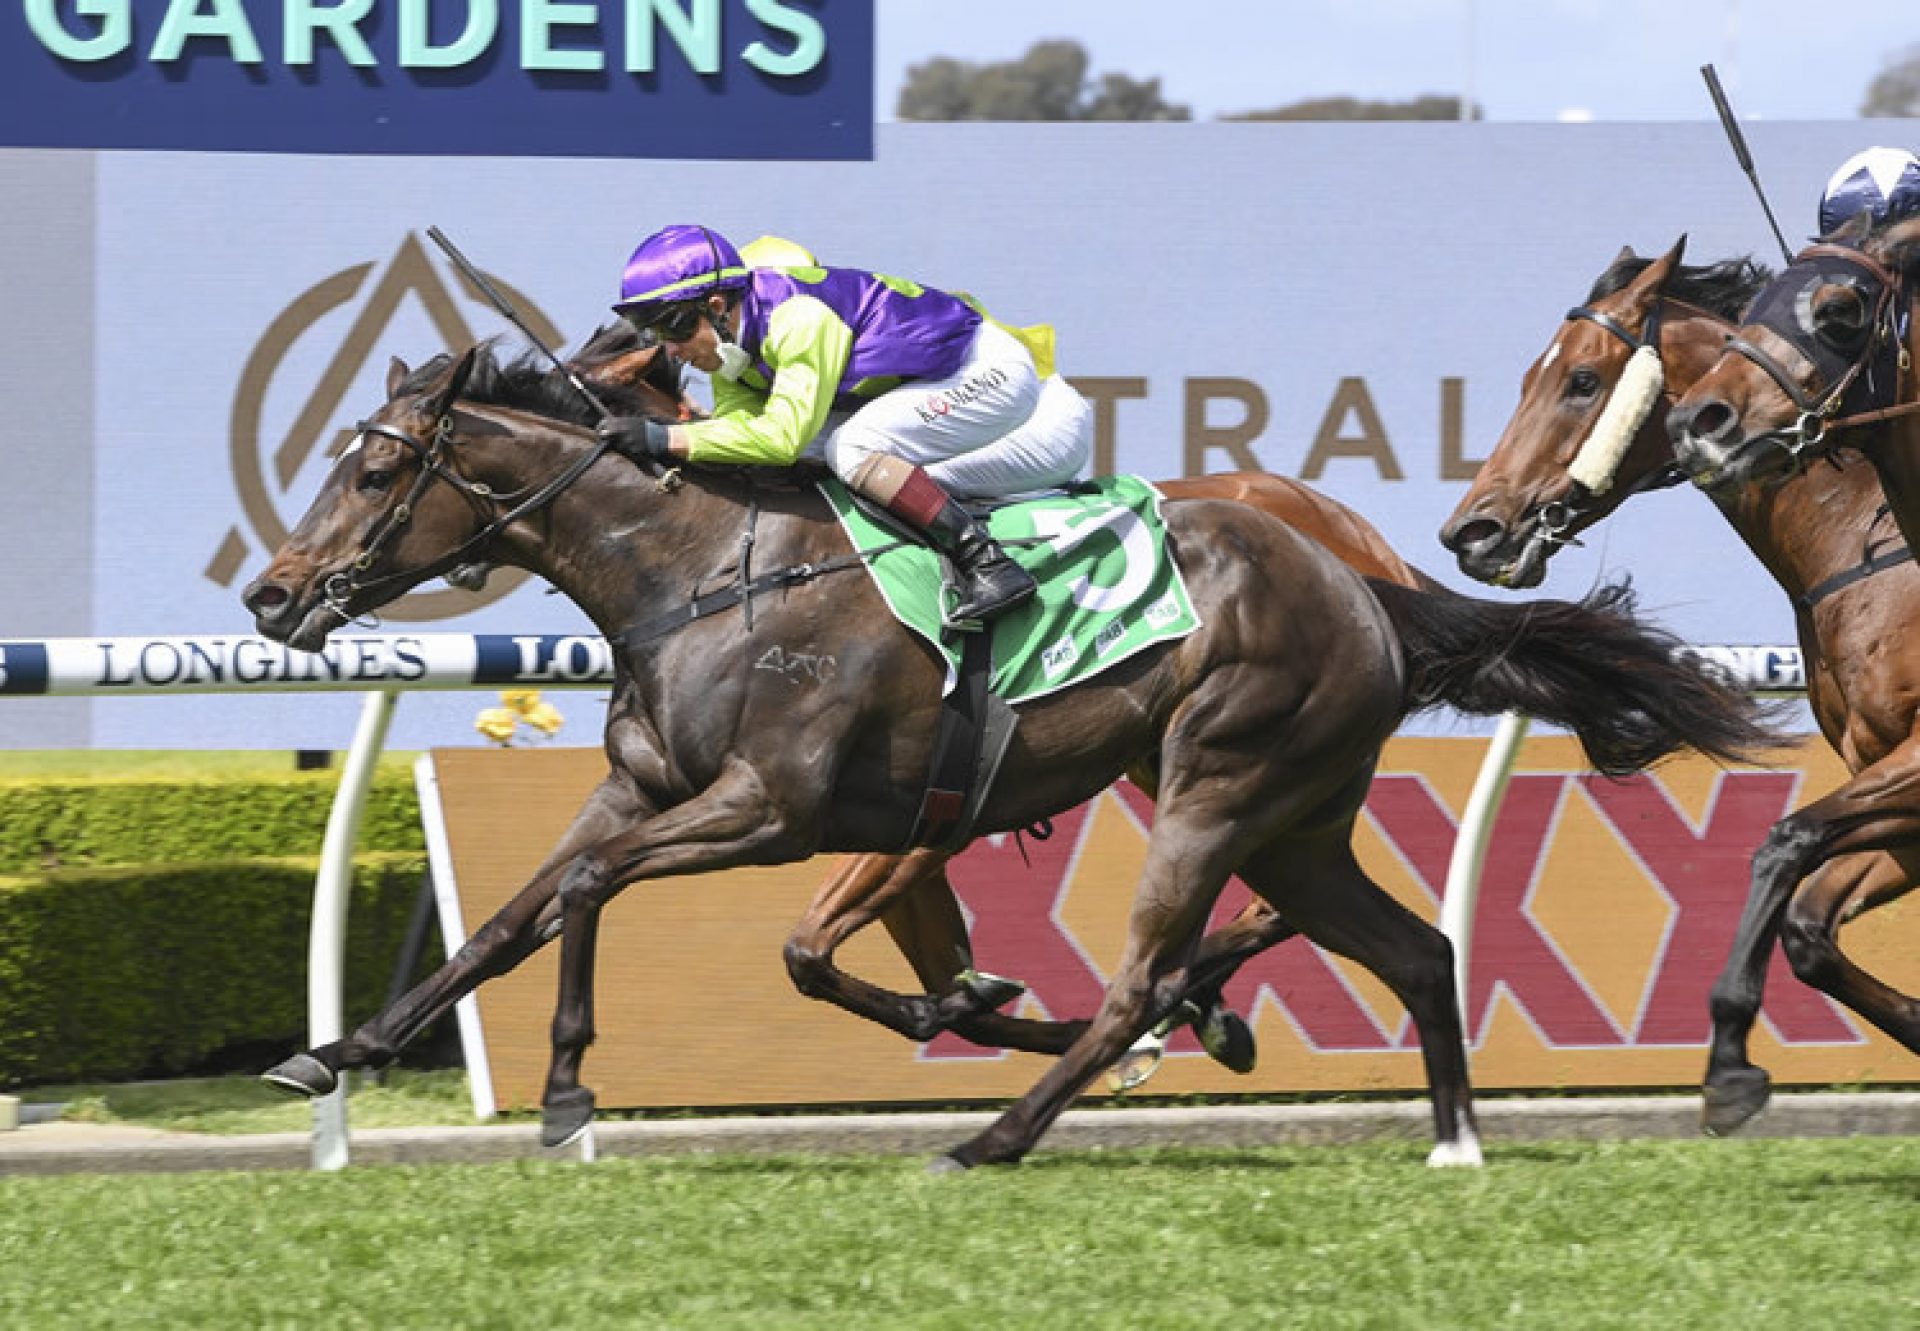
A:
[639,438]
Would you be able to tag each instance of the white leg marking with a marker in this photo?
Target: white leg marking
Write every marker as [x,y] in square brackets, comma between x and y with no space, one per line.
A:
[1461,1153]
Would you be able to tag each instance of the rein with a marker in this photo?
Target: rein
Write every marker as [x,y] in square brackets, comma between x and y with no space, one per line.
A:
[341,587]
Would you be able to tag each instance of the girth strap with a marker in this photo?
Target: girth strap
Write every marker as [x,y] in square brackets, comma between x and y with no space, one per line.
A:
[972,738]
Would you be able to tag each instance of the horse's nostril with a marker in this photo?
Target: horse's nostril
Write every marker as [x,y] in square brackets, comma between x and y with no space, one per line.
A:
[267,598]
[1713,420]
[1472,535]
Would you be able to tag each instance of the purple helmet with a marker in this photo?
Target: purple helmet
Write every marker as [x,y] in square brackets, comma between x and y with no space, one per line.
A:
[675,264]
[1882,182]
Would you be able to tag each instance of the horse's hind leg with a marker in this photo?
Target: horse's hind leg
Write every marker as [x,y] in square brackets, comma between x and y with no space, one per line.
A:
[911,894]
[1187,864]
[1321,888]
[913,899]
[1224,1033]
[1735,1089]
[1878,808]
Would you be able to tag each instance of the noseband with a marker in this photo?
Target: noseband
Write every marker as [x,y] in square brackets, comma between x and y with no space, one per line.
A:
[339,589]
[1553,521]
[1819,416]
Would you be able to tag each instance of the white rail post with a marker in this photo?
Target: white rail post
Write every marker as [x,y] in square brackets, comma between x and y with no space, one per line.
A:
[1470,853]
[327,936]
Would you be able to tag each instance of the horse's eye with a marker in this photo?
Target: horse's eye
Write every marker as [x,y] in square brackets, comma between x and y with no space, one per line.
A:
[1583,382]
[376,482]
[1840,316]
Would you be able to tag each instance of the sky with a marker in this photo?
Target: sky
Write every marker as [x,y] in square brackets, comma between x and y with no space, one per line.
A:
[1524,60]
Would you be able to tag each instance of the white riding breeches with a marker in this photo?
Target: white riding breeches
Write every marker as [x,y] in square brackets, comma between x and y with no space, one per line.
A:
[992,428]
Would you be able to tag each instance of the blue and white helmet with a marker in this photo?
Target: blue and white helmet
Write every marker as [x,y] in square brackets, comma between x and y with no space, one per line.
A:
[1882,182]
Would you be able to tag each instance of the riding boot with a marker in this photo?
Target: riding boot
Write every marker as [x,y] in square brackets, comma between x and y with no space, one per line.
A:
[990,583]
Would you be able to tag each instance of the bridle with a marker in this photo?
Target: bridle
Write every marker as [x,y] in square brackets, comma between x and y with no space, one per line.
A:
[496,512]
[1819,419]
[1554,520]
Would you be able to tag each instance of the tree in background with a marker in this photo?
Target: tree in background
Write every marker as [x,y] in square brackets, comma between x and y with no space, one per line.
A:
[1895,91]
[1049,82]
[1352,108]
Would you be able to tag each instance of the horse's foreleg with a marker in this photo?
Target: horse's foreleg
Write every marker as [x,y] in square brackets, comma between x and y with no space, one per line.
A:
[515,932]
[731,823]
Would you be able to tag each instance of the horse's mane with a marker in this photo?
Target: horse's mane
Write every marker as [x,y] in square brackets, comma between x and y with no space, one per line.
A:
[1723,289]
[530,383]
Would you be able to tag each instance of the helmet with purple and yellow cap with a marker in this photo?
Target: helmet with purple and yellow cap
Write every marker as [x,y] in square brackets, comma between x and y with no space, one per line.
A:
[674,266]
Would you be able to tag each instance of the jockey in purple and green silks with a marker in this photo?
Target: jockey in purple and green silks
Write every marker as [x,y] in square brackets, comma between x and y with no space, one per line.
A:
[909,394]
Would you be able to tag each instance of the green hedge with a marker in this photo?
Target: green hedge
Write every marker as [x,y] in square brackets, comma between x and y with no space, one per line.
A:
[145,970]
[47,825]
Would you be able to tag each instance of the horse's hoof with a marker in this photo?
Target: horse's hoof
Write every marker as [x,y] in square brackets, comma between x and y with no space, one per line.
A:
[946,1164]
[988,990]
[1731,1098]
[566,1117]
[303,1074]
[1134,1067]
[1228,1040]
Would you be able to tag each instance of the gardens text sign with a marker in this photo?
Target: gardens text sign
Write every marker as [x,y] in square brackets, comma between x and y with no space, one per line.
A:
[578,78]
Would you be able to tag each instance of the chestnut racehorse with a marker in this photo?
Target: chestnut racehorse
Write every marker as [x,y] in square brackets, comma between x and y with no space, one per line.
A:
[1825,536]
[1823,361]
[1263,724]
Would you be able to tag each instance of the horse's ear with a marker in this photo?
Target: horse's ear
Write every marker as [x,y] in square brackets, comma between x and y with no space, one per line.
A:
[1626,255]
[1899,248]
[456,383]
[1654,277]
[396,375]
[625,370]
[1852,231]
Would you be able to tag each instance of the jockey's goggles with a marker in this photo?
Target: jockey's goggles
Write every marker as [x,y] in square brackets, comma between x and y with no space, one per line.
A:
[677,323]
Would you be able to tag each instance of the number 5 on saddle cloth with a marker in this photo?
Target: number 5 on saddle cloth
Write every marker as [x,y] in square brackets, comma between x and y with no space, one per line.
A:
[1108,590]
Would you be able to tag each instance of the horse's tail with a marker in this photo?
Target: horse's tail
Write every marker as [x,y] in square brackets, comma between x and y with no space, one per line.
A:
[1591,666]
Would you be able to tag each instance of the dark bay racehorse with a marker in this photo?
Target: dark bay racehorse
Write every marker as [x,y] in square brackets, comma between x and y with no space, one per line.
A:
[1828,350]
[911,895]
[1264,724]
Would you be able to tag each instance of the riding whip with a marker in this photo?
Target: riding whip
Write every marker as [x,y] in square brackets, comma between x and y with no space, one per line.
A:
[502,304]
[1740,152]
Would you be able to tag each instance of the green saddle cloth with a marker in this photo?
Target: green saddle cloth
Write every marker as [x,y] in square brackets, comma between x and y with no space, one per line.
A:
[1108,588]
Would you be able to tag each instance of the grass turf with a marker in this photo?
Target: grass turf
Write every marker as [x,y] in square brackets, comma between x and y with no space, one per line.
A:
[162,764]
[243,1104]
[1747,1234]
